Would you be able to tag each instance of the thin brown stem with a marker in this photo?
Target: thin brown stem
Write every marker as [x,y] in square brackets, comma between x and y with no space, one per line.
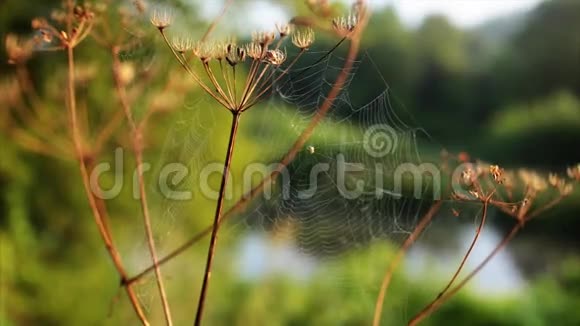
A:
[471,246]
[183,62]
[138,152]
[425,312]
[214,23]
[97,213]
[216,221]
[400,254]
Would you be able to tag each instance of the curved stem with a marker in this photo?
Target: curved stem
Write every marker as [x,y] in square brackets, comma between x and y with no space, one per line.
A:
[439,301]
[98,214]
[216,221]
[138,152]
[400,254]
[471,246]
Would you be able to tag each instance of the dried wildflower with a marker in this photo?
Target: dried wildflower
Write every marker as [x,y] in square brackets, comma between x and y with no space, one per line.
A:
[235,54]
[275,57]
[263,38]
[566,190]
[219,51]
[182,44]
[574,172]
[17,51]
[508,179]
[496,173]
[254,51]
[554,180]
[205,51]
[303,39]
[161,18]
[83,12]
[532,180]
[284,30]
[39,23]
[344,25]
[140,6]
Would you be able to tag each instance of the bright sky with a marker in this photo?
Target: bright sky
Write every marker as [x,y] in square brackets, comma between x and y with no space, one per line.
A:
[465,13]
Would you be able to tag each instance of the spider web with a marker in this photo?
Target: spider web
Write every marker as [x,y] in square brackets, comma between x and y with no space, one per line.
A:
[363,139]
[331,217]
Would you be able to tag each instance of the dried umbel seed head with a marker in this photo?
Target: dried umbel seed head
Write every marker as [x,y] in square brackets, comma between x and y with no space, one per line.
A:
[533,180]
[182,44]
[254,51]
[303,39]
[566,190]
[39,23]
[83,12]
[208,51]
[140,6]
[574,172]
[17,51]
[554,180]
[497,173]
[263,38]
[344,25]
[284,30]
[58,16]
[275,57]
[161,18]
[235,54]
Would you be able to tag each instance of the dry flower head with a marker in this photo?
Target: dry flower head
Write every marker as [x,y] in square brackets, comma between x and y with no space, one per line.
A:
[303,38]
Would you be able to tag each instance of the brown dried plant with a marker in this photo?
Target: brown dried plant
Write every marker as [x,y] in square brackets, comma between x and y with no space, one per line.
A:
[35,129]
[32,125]
[522,194]
[266,59]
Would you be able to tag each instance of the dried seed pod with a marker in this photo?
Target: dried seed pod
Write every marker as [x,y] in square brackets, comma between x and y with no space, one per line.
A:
[275,57]
[235,54]
[263,38]
[254,51]
[303,39]
[161,18]
[284,30]
[344,25]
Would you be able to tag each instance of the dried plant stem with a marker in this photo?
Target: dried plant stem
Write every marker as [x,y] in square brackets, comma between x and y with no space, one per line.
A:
[138,152]
[216,20]
[216,221]
[440,300]
[471,246]
[400,254]
[241,204]
[98,214]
